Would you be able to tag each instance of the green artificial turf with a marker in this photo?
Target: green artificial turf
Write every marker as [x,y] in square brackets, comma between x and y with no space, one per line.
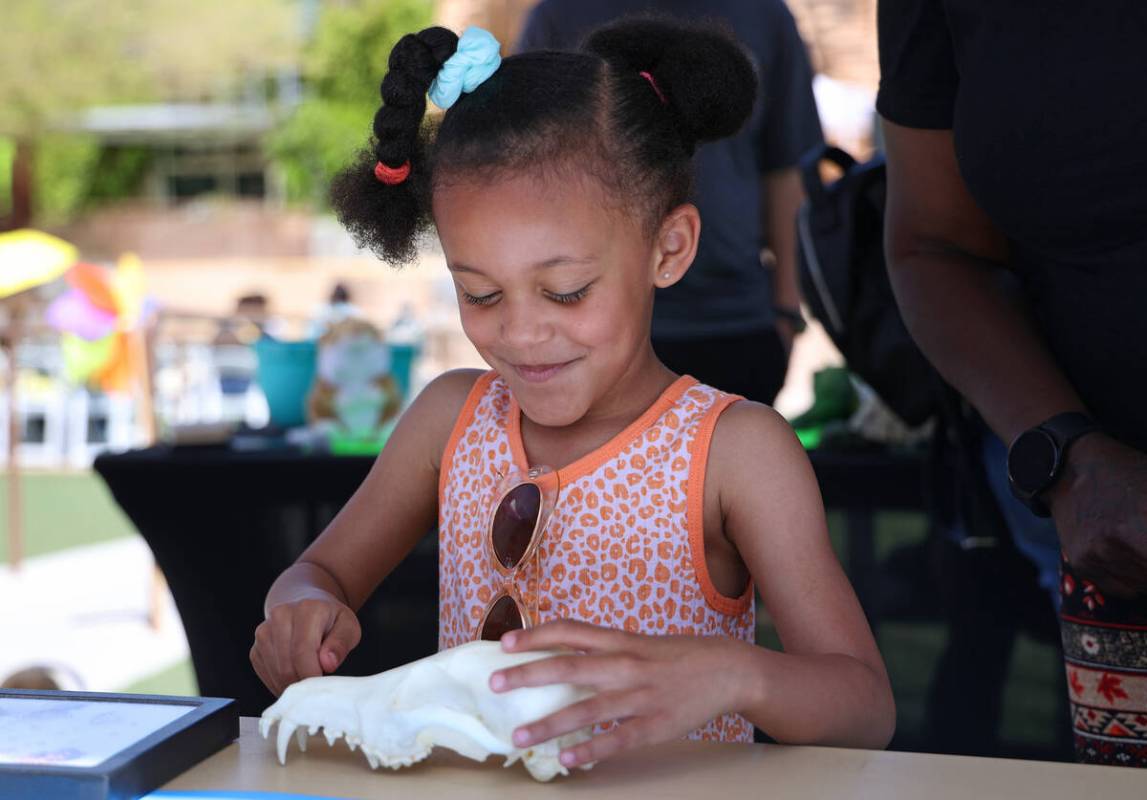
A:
[62,510]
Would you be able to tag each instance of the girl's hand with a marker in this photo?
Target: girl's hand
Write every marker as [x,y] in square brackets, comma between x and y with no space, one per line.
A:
[659,687]
[303,639]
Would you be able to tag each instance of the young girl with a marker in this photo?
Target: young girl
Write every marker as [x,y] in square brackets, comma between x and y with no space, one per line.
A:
[558,185]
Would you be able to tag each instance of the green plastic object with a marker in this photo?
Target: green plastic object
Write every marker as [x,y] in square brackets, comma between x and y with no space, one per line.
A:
[345,444]
[810,437]
[834,398]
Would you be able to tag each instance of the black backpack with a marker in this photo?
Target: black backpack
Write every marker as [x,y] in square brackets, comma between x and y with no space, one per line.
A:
[840,243]
[840,246]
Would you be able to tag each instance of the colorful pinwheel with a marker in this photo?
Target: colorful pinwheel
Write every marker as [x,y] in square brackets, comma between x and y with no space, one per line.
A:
[99,318]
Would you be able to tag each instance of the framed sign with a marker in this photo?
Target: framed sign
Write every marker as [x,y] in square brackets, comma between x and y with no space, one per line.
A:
[95,746]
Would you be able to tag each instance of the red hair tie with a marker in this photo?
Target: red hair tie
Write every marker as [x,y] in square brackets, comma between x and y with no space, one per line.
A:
[391,175]
[653,83]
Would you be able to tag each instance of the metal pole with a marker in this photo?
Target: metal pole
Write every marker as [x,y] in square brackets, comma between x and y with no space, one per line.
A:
[15,496]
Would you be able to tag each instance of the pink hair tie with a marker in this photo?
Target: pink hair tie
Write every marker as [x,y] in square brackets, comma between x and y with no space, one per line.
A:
[391,175]
[653,83]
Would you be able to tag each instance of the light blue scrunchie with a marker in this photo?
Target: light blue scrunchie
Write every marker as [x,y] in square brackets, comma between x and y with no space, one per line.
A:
[475,60]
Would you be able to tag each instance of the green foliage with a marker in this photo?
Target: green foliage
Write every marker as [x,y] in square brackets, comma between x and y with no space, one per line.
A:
[347,59]
[62,511]
[7,156]
[343,66]
[315,143]
[59,57]
[118,173]
[73,172]
[63,170]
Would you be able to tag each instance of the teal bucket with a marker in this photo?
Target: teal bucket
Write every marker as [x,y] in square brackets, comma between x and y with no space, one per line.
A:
[285,372]
[402,358]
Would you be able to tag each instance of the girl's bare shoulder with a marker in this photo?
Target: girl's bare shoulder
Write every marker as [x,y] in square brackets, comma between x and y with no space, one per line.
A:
[755,432]
[432,415]
[757,460]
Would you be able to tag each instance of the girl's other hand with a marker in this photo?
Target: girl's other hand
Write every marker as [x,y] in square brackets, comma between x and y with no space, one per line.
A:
[303,639]
[659,687]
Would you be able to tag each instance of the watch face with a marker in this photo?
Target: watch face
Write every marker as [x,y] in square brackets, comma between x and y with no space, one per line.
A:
[1032,461]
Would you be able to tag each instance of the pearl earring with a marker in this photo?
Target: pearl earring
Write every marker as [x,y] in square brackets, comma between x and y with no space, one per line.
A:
[665,275]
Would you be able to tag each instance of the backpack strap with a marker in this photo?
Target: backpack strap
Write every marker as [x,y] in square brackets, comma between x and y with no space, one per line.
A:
[810,170]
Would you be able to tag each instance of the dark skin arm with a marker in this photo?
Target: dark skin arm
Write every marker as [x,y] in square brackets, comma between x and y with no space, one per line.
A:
[944,259]
[783,197]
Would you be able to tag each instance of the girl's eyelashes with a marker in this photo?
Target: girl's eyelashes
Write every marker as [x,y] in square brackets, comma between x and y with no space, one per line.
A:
[563,298]
[482,300]
[570,297]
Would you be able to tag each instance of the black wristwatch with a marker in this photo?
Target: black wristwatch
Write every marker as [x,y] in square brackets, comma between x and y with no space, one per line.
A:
[1037,456]
[792,316]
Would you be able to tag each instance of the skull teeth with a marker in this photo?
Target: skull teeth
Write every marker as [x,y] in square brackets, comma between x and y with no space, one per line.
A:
[284,739]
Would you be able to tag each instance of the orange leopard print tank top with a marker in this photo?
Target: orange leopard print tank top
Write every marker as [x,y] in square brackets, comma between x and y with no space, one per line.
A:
[624,547]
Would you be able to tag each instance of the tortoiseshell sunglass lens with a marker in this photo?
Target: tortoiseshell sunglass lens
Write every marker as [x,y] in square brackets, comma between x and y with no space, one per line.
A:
[515,522]
[504,616]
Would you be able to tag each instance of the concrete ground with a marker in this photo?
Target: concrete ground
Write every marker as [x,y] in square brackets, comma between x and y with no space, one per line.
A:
[83,613]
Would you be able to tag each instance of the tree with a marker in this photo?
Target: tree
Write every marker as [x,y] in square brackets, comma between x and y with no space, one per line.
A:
[58,57]
[343,66]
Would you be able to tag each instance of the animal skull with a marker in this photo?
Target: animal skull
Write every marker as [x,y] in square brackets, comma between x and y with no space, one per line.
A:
[444,700]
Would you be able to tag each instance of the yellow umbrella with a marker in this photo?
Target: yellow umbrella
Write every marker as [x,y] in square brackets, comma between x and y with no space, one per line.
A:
[28,259]
[31,258]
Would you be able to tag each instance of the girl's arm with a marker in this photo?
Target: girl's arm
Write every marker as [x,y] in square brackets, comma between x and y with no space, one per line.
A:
[829,686]
[311,624]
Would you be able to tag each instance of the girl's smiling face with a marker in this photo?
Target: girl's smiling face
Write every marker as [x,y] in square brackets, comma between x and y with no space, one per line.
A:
[555,288]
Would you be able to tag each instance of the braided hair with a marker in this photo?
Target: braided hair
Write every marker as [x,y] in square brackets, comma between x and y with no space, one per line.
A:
[628,108]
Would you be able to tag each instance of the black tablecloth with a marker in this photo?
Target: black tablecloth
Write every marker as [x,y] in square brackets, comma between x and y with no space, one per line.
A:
[223,524]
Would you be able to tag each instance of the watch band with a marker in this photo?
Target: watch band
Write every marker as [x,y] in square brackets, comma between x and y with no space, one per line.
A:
[1063,429]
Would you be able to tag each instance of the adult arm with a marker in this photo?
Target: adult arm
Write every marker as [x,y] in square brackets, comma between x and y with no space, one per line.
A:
[944,260]
[790,128]
[783,195]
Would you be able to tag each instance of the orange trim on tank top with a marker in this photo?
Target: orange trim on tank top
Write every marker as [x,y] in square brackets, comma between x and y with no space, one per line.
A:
[695,514]
[465,416]
[611,449]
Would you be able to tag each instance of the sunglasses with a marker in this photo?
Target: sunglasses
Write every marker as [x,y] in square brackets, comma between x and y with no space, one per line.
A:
[513,535]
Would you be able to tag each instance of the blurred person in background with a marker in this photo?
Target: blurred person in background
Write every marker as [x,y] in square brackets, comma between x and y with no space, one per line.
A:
[731,320]
[250,320]
[340,306]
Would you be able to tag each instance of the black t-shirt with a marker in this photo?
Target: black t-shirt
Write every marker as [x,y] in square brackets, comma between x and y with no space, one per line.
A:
[727,292]
[1047,103]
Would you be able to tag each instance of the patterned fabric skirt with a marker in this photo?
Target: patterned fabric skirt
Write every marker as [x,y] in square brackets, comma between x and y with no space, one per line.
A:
[1105,654]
